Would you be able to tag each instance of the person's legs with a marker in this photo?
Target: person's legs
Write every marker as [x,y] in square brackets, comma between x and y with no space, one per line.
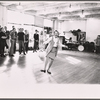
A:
[15,46]
[12,48]
[34,49]
[7,41]
[50,64]
[2,48]
[46,62]
[27,46]
[23,46]
[37,47]
[20,50]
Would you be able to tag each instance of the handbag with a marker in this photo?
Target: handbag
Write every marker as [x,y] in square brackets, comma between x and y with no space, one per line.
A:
[42,54]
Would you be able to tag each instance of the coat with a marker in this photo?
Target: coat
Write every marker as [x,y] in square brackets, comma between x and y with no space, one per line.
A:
[50,46]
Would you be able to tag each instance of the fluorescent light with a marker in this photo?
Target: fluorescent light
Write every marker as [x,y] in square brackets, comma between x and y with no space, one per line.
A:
[19,6]
[82,15]
[59,16]
[69,9]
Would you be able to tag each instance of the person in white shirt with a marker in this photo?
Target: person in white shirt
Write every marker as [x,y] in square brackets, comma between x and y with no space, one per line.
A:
[51,50]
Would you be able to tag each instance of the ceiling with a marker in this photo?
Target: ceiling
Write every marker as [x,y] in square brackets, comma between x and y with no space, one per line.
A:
[56,9]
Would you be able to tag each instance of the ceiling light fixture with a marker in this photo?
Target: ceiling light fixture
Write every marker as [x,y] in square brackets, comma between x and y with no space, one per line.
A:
[69,9]
[59,15]
[82,15]
[19,6]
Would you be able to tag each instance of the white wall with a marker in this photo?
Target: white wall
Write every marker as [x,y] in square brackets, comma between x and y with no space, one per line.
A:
[38,21]
[93,29]
[48,23]
[90,26]
[3,16]
[74,25]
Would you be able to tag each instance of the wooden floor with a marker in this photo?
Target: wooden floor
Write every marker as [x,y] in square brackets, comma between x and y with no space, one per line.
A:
[70,67]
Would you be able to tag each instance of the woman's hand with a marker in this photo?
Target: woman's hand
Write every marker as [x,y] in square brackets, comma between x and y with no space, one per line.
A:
[64,46]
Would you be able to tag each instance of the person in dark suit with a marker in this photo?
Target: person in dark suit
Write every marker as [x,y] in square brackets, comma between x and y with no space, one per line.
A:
[36,41]
[26,40]
[12,40]
[13,28]
[8,38]
[2,42]
[21,40]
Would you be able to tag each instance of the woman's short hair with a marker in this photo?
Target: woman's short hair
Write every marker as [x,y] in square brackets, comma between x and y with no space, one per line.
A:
[57,32]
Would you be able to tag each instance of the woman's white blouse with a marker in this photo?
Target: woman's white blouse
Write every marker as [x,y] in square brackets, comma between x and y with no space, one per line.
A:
[56,41]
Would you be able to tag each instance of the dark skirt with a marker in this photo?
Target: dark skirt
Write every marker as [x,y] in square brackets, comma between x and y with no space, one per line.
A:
[52,53]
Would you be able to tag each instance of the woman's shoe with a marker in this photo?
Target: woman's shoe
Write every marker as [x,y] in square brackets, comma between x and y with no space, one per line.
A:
[43,71]
[48,72]
[24,53]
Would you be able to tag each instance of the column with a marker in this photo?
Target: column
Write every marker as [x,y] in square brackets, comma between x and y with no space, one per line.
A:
[3,16]
[55,25]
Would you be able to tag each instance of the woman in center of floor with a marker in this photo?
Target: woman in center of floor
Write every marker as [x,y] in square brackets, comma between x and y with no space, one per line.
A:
[51,50]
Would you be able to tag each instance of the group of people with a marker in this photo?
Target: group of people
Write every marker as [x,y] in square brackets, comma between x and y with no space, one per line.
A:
[8,39]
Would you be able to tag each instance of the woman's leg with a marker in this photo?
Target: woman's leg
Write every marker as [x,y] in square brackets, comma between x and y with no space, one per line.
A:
[50,64]
[46,62]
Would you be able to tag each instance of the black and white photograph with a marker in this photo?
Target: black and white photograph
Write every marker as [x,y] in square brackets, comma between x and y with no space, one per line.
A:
[49,49]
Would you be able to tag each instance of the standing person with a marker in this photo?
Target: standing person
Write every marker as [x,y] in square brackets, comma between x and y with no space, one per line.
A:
[15,41]
[12,40]
[13,28]
[2,42]
[8,39]
[21,39]
[51,50]
[26,40]
[36,41]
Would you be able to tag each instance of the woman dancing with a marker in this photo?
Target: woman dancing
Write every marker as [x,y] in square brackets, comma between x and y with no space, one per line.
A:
[51,50]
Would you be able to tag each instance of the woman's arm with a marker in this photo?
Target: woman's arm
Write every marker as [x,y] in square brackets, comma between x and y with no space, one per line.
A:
[61,45]
[47,41]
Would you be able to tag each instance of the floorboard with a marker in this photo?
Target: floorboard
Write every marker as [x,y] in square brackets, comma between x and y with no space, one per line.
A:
[69,67]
